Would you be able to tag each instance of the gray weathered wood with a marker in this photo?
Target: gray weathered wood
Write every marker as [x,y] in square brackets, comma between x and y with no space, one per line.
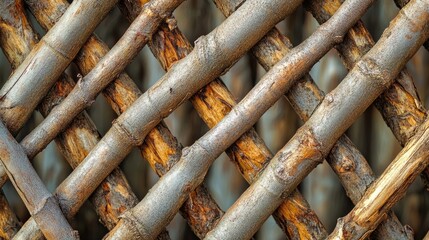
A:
[368,79]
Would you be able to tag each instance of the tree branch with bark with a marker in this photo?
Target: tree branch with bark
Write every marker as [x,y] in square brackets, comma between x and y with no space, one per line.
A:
[31,81]
[42,206]
[161,149]
[371,75]
[249,153]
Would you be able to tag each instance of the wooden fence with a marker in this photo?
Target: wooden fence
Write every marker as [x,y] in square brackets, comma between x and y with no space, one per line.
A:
[376,75]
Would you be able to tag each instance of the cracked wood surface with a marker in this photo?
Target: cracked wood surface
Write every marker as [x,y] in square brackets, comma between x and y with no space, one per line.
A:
[314,140]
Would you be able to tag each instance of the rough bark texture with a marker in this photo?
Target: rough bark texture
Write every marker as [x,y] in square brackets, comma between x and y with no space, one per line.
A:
[161,149]
[9,223]
[250,153]
[371,75]
[38,200]
[115,195]
[211,57]
[400,106]
[392,184]
[83,95]
[196,159]
[32,80]
[305,97]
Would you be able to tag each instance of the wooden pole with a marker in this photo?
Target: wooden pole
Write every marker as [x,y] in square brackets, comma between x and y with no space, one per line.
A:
[197,158]
[160,147]
[336,113]
[395,180]
[401,4]
[106,70]
[42,206]
[115,195]
[249,153]
[31,81]
[9,223]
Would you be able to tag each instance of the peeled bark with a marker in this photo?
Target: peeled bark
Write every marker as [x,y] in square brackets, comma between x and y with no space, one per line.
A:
[345,159]
[32,80]
[106,70]
[197,158]
[395,180]
[250,153]
[400,106]
[39,201]
[371,76]
[115,195]
[9,223]
[161,149]
[180,83]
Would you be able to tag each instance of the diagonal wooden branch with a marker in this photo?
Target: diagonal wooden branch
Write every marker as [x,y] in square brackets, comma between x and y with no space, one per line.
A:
[371,76]
[39,201]
[401,4]
[305,97]
[115,195]
[197,158]
[123,135]
[106,70]
[388,189]
[160,147]
[249,153]
[400,106]
[32,80]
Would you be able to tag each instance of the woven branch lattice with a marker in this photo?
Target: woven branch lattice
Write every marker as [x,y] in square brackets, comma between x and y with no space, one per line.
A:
[376,75]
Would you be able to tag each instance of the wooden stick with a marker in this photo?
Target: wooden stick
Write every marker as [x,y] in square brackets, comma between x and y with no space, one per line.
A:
[82,96]
[401,4]
[26,88]
[197,158]
[9,223]
[249,153]
[115,195]
[371,75]
[39,201]
[345,159]
[160,147]
[120,134]
[395,180]
[305,97]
